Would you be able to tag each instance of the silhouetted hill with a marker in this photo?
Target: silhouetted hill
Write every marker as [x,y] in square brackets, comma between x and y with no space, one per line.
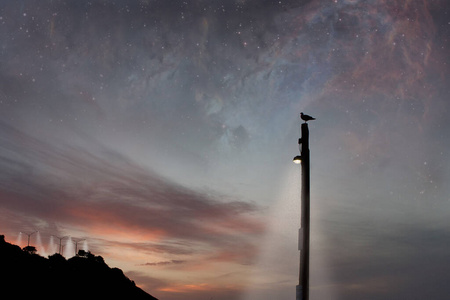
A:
[25,275]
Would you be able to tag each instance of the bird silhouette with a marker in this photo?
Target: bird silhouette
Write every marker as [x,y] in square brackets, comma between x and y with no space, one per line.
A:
[306,118]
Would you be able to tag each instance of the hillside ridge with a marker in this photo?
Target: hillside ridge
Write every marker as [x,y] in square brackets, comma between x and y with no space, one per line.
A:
[86,276]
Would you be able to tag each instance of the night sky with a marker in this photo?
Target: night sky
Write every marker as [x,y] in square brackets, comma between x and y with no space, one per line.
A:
[163,133]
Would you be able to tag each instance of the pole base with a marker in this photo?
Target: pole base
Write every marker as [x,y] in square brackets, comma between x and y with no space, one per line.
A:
[298,293]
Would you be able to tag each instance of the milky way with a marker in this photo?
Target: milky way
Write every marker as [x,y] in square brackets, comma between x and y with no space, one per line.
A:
[167,128]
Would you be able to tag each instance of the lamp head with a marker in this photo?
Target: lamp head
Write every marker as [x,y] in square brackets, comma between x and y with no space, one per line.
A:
[297,160]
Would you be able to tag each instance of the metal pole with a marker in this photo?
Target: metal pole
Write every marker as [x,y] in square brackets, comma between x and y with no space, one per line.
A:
[29,234]
[60,242]
[76,245]
[303,242]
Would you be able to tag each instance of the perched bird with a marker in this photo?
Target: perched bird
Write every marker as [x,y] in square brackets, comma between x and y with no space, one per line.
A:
[306,118]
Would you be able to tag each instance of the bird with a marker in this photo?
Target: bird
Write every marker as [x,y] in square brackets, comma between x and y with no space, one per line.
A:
[306,118]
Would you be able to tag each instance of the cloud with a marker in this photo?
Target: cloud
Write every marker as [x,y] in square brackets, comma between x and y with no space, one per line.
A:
[164,263]
[108,196]
[201,290]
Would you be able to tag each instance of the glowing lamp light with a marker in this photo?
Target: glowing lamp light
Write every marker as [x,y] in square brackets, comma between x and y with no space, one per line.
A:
[297,160]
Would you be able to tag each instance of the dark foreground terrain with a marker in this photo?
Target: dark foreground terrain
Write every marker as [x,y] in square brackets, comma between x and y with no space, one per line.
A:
[26,275]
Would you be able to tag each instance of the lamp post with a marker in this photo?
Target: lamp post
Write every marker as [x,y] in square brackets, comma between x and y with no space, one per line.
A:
[29,234]
[302,289]
[60,242]
[76,244]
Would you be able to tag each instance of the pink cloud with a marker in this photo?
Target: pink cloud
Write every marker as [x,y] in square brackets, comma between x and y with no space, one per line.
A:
[109,197]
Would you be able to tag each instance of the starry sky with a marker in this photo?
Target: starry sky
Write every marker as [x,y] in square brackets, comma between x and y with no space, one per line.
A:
[163,132]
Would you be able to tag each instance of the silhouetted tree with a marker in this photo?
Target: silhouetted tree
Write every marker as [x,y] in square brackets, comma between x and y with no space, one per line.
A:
[100,259]
[30,249]
[56,258]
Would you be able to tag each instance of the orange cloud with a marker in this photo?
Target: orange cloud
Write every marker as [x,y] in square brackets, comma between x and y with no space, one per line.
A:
[104,223]
[187,288]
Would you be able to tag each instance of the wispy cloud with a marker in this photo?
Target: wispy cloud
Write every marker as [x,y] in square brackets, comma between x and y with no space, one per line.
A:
[110,198]
[164,263]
